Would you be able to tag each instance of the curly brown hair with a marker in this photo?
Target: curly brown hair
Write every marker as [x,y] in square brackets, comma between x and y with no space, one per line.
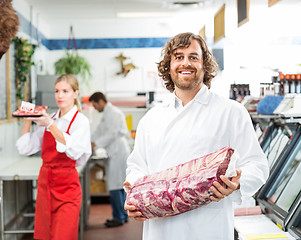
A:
[183,40]
[9,23]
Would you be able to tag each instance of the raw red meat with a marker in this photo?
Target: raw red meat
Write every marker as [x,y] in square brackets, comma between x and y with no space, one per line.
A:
[181,188]
[37,112]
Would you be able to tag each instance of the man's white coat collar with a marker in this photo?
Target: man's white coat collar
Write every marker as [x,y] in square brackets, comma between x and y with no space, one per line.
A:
[202,97]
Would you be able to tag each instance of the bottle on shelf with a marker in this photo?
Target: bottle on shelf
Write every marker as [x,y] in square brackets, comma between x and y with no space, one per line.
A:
[276,85]
[281,86]
[287,84]
[246,90]
[298,82]
[293,84]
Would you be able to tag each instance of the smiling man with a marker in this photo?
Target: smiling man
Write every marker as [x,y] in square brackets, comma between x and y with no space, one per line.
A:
[186,70]
[194,123]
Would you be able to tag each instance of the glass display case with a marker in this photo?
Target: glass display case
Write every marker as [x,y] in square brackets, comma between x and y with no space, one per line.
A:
[276,140]
[262,125]
[294,225]
[278,197]
[263,131]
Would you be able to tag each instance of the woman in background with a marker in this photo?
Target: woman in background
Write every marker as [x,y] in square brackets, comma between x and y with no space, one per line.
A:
[64,140]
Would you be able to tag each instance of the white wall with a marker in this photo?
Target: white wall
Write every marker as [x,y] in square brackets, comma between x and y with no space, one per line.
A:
[41,52]
[32,16]
[104,68]
[103,62]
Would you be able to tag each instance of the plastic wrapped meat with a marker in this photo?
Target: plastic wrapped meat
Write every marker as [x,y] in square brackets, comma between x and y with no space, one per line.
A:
[37,112]
[181,188]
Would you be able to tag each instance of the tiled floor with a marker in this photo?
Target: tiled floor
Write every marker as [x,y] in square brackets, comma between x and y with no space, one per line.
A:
[99,213]
[96,230]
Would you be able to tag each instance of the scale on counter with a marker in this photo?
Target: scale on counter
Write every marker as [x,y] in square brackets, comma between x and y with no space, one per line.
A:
[290,106]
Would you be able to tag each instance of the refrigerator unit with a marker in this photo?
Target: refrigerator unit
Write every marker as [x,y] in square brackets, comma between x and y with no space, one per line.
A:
[45,91]
[280,195]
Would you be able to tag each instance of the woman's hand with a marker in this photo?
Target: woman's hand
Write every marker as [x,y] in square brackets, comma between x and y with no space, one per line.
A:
[231,185]
[44,120]
[132,211]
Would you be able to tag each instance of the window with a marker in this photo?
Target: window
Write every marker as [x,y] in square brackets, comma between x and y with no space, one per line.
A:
[8,99]
[242,11]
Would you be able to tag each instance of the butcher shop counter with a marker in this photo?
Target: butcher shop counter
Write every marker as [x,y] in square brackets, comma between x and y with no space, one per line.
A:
[255,227]
[26,169]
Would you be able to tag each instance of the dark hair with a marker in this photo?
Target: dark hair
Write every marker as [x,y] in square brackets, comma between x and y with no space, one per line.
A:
[183,40]
[9,24]
[95,97]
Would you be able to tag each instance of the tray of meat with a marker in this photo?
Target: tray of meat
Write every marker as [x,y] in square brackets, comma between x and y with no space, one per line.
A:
[36,112]
[181,188]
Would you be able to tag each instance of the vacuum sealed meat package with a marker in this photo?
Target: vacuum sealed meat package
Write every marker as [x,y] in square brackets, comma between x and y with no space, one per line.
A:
[181,188]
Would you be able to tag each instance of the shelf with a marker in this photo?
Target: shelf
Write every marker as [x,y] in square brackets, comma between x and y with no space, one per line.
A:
[105,194]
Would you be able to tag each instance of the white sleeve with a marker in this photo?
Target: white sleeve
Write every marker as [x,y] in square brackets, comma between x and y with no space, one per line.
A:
[30,143]
[252,161]
[78,145]
[136,162]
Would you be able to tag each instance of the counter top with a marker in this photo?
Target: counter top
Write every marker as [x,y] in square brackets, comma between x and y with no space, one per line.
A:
[25,168]
[259,227]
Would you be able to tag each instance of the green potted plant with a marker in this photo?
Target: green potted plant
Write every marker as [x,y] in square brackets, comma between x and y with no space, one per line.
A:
[72,63]
[23,53]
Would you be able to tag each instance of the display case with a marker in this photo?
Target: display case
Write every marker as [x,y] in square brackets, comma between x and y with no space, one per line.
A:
[276,140]
[279,196]
[294,225]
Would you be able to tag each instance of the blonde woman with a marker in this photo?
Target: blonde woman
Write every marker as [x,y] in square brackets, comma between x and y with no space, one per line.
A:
[64,140]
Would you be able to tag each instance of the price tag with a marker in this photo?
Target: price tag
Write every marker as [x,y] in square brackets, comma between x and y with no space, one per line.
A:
[27,107]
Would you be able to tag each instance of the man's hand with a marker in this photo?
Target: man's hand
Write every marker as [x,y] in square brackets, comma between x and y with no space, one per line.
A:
[132,211]
[220,192]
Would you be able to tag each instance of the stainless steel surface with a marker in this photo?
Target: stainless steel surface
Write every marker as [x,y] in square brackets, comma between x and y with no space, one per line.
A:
[27,168]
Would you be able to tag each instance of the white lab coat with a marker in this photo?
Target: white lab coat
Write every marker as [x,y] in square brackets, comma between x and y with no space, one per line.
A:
[111,134]
[78,145]
[167,137]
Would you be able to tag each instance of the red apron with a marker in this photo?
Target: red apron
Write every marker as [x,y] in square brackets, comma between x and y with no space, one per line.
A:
[59,194]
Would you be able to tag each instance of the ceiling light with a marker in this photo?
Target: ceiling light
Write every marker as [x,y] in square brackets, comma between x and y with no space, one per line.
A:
[185,3]
[180,4]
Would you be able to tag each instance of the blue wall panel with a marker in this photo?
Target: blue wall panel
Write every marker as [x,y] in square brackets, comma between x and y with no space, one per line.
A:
[89,43]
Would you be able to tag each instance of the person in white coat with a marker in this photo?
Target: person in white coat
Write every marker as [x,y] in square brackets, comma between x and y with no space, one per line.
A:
[111,135]
[194,123]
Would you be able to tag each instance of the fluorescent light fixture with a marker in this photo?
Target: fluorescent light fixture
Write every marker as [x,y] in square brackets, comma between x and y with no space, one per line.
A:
[143,14]
[186,4]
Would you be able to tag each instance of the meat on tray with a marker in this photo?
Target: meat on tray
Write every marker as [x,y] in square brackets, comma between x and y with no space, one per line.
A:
[181,188]
[36,113]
